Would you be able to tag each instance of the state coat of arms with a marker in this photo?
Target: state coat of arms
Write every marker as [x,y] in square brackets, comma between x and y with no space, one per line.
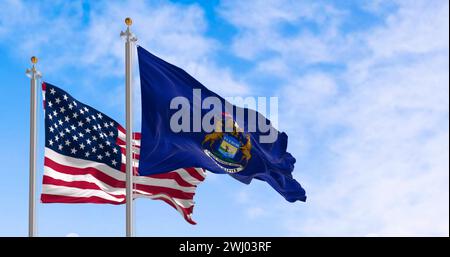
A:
[228,145]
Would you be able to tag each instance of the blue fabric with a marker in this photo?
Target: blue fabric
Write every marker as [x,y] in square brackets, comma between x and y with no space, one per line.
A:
[239,154]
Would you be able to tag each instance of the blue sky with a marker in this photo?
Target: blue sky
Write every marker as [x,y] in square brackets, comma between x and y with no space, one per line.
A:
[364,97]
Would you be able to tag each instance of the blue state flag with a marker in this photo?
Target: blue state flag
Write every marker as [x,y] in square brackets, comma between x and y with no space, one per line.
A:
[184,124]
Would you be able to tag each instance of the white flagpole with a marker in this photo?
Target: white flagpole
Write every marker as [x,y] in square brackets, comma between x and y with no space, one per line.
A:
[130,39]
[34,75]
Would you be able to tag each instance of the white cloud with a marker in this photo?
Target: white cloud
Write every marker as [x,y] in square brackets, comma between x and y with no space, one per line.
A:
[381,122]
[261,30]
[255,212]
[72,235]
[88,40]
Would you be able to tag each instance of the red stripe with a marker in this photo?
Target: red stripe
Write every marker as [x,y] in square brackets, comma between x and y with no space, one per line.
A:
[194,173]
[122,143]
[77,184]
[48,198]
[165,190]
[119,127]
[124,152]
[172,175]
[123,168]
[186,211]
[84,171]
[102,177]
[44,86]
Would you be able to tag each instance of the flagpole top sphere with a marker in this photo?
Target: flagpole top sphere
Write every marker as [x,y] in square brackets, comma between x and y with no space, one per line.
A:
[128,21]
[34,59]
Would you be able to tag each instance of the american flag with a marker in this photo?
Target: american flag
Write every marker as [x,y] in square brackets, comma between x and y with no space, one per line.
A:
[85,159]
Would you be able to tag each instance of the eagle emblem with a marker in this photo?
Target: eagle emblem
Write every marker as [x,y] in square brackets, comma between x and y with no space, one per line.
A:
[228,145]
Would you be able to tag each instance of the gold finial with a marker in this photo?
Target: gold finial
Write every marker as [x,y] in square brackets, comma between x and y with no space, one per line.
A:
[128,21]
[34,59]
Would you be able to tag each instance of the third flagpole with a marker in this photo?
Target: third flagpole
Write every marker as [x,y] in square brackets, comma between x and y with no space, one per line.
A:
[34,76]
[130,39]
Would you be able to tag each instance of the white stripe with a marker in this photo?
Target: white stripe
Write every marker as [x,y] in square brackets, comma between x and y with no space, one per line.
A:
[135,161]
[80,163]
[174,203]
[186,176]
[123,137]
[77,192]
[182,202]
[144,180]
[135,149]
[86,178]
[201,171]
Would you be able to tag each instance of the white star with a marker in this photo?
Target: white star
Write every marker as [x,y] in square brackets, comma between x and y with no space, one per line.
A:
[56,138]
[55,125]
[73,151]
[88,119]
[81,134]
[94,127]
[101,135]
[50,142]
[55,113]
[94,138]
[87,130]
[62,109]
[75,138]
[105,125]
[99,115]
[81,111]
[61,134]
[75,115]
[93,117]
[86,154]
[101,146]
[67,130]
[52,91]
[74,103]
[51,129]
[88,142]
[60,122]
[115,150]
[99,157]
[72,127]
[67,142]
[111,124]
[108,143]
[60,147]
[65,97]
[70,106]
[86,109]
[111,134]
[50,116]
[114,162]
[66,119]
[50,104]
[80,123]
[107,154]
[82,146]
[94,149]
[57,100]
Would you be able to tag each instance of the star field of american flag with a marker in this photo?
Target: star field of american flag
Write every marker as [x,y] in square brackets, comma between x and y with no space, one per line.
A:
[78,130]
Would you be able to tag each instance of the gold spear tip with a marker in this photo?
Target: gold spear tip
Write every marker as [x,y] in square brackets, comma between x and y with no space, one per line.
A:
[128,21]
[34,59]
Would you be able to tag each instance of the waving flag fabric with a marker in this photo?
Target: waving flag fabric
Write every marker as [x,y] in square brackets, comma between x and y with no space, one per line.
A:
[85,160]
[168,91]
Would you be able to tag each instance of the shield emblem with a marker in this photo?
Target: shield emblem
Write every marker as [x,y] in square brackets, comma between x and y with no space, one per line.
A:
[229,147]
